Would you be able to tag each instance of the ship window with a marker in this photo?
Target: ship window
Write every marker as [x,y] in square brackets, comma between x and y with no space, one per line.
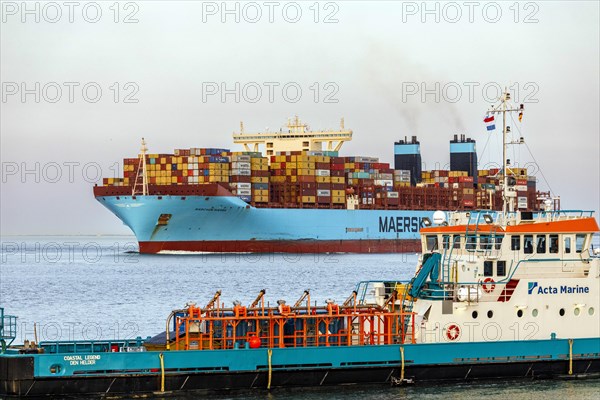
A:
[490,314]
[561,312]
[488,268]
[515,242]
[456,242]
[446,241]
[541,244]
[553,244]
[432,242]
[528,244]
[305,144]
[499,242]
[269,145]
[534,312]
[579,241]
[568,244]
[519,313]
[269,152]
[485,242]
[471,243]
[501,268]
[591,311]
[474,314]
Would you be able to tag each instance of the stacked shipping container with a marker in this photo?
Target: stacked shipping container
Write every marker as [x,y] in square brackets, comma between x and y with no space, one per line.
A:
[322,179]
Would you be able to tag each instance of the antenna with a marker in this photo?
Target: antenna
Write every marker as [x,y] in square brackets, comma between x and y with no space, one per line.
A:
[503,107]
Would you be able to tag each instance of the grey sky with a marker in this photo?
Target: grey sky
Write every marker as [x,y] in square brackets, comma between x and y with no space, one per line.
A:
[373,55]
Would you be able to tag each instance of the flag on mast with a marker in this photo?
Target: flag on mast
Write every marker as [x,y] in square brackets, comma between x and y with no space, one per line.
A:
[489,121]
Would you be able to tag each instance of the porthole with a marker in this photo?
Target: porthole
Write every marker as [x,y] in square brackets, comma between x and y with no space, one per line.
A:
[591,310]
[577,311]
[55,369]
[490,314]
[474,314]
[561,312]
[520,313]
[534,312]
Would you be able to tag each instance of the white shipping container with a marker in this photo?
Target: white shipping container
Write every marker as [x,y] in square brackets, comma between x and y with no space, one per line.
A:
[240,165]
[241,172]
[385,176]
[402,172]
[384,182]
[322,172]
[392,195]
[402,179]
[521,188]
[366,159]
[242,192]
[323,193]
[240,158]
[241,185]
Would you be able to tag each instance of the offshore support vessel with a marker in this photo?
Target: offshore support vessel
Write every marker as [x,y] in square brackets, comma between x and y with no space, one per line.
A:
[216,200]
[506,294]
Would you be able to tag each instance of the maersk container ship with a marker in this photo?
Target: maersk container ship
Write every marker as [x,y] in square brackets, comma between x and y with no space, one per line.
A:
[300,198]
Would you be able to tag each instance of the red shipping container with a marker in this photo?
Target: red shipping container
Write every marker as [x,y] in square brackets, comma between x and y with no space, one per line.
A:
[306,178]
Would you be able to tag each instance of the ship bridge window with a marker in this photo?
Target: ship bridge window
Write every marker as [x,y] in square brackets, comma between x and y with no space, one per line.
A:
[568,244]
[579,242]
[269,145]
[501,268]
[432,242]
[541,244]
[515,242]
[456,242]
[553,244]
[471,243]
[528,244]
[485,242]
[446,241]
[499,242]
[488,268]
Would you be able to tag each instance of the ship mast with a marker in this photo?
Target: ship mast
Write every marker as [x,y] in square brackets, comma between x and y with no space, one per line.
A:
[504,107]
[142,166]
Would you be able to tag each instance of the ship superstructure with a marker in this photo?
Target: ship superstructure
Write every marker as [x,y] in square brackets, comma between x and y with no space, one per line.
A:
[296,136]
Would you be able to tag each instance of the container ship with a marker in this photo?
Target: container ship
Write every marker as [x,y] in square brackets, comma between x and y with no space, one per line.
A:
[217,200]
[495,294]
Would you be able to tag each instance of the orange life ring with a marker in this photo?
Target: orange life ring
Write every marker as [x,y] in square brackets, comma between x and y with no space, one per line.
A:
[453,332]
[488,285]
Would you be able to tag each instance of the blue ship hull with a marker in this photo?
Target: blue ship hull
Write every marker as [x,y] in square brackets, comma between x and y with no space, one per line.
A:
[228,224]
[81,372]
